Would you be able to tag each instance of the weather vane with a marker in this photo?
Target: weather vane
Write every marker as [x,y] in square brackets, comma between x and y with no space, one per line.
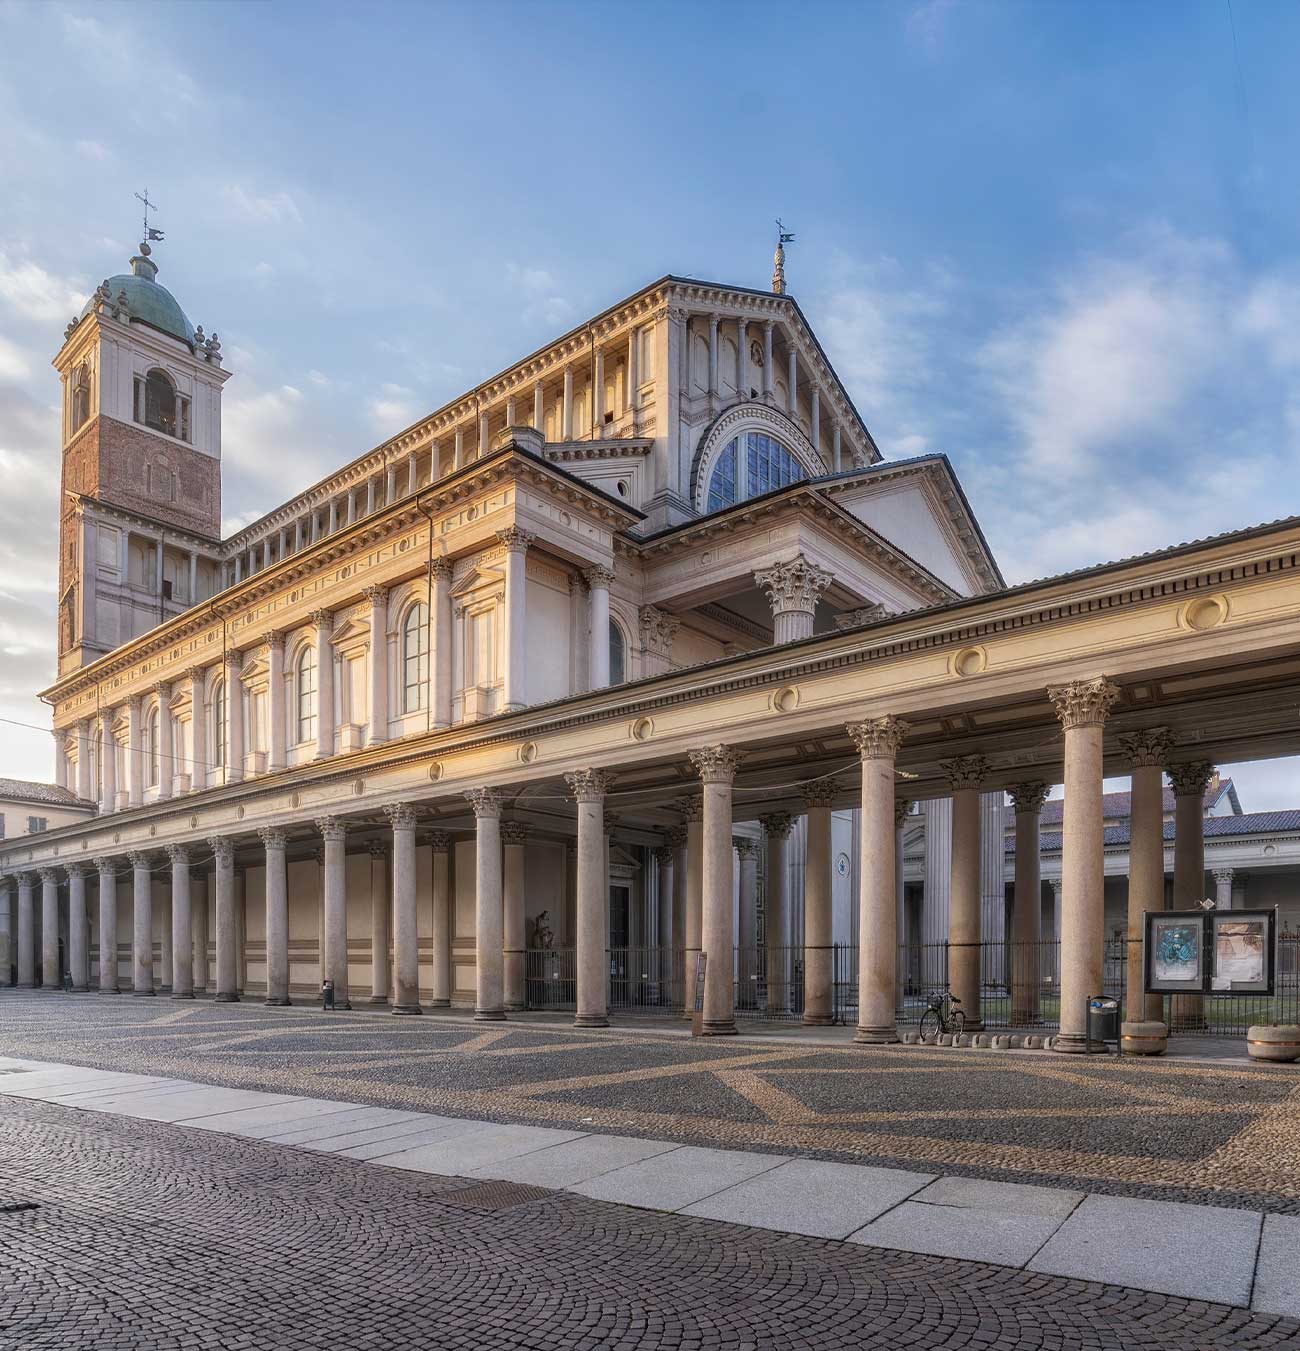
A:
[150,232]
[783,237]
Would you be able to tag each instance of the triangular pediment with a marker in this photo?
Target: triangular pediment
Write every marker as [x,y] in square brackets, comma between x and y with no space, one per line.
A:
[479,576]
[352,630]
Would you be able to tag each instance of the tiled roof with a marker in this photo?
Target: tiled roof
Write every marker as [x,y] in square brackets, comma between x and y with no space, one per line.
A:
[1252,823]
[25,790]
[1120,804]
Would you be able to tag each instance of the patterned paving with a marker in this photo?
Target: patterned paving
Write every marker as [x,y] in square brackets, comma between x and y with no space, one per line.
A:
[1171,1130]
[148,1237]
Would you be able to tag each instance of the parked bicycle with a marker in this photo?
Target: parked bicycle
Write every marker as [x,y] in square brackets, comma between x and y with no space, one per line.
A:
[944,1014]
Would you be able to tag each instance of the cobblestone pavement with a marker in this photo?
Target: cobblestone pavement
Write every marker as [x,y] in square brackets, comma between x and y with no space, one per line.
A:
[1213,1134]
[147,1236]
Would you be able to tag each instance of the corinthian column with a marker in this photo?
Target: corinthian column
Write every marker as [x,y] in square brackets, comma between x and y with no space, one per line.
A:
[489,998]
[514,836]
[589,787]
[26,962]
[107,925]
[441,664]
[1190,779]
[277,918]
[223,861]
[965,933]
[793,590]
[324,622]
[818,957]
[334,834]
[78,954]
[1083,707]
[440,984]
[692,889]
[406,942]
[776,910]
[142,930]
[275,702]
[878,740]
[182,925]
[716,766]
[1027,904]
[50,974]
[1146,751]
[515,683]
[377,675]
[599,580]
[380,905]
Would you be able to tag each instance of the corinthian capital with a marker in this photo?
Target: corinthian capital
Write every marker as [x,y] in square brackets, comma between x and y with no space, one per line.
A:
[514,832]
[223,848]
[902,808]
[776,825]
[401,816]
[588,785]
[484,801]
[658,628]
[273,838]
[715,764]
[1148,747]
[598,577]
[965,771]
[514,539]
[1028,797]
[1190,778]
[794,585]
[878,738]
[331,829]
[822,792]
[1084,703]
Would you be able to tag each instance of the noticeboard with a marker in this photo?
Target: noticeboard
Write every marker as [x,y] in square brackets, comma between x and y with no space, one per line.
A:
[1210,951]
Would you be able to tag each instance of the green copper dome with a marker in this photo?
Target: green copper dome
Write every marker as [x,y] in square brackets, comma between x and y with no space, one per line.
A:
[147,301]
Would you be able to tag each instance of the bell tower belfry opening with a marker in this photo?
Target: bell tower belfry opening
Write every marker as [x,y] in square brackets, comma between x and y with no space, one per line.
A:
[140,507]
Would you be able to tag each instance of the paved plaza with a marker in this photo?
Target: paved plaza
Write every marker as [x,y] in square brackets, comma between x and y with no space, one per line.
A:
[198,1175]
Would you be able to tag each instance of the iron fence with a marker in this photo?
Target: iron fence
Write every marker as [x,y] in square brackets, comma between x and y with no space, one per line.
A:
[769,983]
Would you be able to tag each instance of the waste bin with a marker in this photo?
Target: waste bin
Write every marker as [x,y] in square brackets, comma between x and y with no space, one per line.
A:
[1103,1018]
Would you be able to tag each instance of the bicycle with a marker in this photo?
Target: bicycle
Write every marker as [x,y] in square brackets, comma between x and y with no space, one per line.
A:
[944,1014]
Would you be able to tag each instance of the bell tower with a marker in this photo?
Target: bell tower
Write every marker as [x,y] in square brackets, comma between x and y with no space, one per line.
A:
[140,507]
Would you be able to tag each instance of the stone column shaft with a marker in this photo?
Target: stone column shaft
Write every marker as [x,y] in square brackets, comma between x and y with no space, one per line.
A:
[964,892]
[818,975]
[234,755]
[199,928]
[693,877]
[1146,861]
[1190,780]
[1027,904]
[598,580]
[324,689]
[489,1000]
[513,919]
[380,901]
[716,766]
[227,958]
[776,896]
[336,908]
[441,942]
[182,925]
[107,926]
[26,933]
[514,690]
[406,939]
[277,917]
[275,693]
[377,672]
[51,977]
[441,658]
[142,929]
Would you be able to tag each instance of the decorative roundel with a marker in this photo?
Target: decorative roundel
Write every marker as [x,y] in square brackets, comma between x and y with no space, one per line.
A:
[239,813]
[643,729]
[786,700]
[1205,612]
[528,752]
[194,822]
[970,661]
[842,864]
[471,513]
[435,771]
[117,837]
[359,787]
[153,828]
[296,800]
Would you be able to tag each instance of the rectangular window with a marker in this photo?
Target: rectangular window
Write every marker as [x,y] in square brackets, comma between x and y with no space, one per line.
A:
[35,825]
[2,825]
[185,419]
[109,542]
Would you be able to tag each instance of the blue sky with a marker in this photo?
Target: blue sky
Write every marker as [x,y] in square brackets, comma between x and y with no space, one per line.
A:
[1056,241]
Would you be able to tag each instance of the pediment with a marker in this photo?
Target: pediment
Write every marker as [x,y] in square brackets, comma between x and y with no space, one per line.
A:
[350,632]
[479,576]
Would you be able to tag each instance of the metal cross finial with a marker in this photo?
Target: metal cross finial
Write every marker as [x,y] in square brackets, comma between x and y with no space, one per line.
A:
[783,237]
[149,233]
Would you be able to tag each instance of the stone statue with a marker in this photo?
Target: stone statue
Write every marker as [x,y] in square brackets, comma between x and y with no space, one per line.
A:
[542,937]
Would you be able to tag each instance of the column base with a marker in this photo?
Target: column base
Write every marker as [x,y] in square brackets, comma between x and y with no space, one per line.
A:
[164,989]
[590,1020]
[876,1036]
[516,1008]
[182,994]
[440,1003]
[818,1020]
[144,994]
[489,1015]
[51,989]
[719,1029]
[25,985]
[278,1002]
[378,999]
[114,990]
[80,989]
[1072,1043]
[220,998]
[409,1010]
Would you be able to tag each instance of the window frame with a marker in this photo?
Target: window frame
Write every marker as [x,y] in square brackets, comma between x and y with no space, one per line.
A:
[306,721]
[415,691]
[756,458]
[616,633]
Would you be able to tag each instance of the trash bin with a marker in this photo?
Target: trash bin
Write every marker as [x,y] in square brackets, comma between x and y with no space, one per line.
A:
[327,994]
[1103,1018]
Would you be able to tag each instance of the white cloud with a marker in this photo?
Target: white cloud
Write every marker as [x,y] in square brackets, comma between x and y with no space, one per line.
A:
[268,208]
[13,361]
[395,408]
[36,294]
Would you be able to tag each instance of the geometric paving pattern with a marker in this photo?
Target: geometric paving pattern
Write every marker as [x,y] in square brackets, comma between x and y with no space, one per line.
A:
[1162,1128]
[152,1237]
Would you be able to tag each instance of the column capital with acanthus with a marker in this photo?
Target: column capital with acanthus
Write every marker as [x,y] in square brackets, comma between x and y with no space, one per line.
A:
[514,539]
[795,584]
[776,825]
[401,815]
[599,576]
[588,785]
[965,771]
[273,838]
[821,792]
[715,764]
[1148,747]
[1028,797]
[332,830]
[1190,778]
[486,802]
[1084,703]
[902,810]
[178,853]
[878,738]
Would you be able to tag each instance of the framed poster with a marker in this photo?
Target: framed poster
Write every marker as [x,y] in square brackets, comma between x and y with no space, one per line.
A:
[1175,951]
[1242,951]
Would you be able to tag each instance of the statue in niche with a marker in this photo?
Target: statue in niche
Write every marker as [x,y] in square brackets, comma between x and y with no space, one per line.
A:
[541,936]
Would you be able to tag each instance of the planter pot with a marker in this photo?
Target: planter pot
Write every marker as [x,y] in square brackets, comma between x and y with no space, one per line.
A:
[1140,1038]
[1278,1042]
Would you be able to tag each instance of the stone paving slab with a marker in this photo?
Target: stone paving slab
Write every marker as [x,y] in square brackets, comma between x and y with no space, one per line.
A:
[392,1142]
[176,1106]
[813,1197]
[425,1126]
[1000,1222]
[260,1121]
[690,1174]
[575,1161]
[1199,1252]
[473,1146]
[328,1125]
[1277,1273]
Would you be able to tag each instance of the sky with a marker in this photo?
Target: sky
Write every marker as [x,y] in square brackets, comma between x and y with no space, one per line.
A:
[1056,241]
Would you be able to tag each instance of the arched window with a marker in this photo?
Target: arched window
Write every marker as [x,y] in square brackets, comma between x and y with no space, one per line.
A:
[152,750]
[80,396]
[160,402]
[305,688]
[617,655]
[752,464]
[218,724]
[415,658]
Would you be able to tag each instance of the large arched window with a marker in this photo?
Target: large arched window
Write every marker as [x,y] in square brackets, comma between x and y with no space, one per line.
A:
[617,655]
[415,658]
[218,724]
[160,402]
[153,750]
[305,690]
[80,396]
[752,464]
